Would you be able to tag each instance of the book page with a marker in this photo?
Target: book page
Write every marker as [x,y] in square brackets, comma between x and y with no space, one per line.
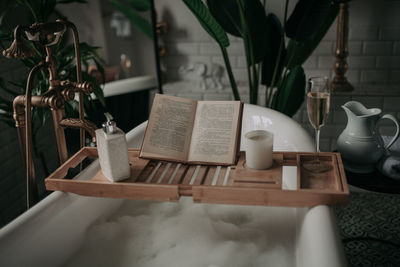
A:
[214,138]
[169,129]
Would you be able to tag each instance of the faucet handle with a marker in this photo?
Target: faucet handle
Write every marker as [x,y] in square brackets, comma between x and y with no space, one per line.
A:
[85,87]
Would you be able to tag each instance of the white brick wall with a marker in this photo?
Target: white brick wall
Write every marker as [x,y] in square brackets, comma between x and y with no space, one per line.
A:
[374,61]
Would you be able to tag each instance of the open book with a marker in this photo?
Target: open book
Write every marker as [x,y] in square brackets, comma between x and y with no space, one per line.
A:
[190,131]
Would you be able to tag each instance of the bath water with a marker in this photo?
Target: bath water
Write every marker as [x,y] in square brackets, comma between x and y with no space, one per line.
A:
[150,234]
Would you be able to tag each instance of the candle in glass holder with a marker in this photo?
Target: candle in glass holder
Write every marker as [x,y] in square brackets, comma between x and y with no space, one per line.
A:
[259,146]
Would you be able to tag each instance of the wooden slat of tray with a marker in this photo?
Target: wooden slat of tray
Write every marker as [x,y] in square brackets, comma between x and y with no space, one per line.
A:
[164,181]
[180,174]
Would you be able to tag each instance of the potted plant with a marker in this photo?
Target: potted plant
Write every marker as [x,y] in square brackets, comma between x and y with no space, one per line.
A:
[274,51]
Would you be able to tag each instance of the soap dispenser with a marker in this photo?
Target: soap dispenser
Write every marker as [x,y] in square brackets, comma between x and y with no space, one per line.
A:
[113,151]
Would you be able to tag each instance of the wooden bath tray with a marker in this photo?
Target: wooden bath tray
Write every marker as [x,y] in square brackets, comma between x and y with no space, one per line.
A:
[167,181]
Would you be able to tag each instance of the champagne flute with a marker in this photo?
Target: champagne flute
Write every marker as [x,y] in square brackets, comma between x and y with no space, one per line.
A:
[318,101]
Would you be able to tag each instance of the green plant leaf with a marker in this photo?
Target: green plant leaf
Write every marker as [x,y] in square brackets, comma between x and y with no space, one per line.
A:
[141,23]
[7,6]
[275,36]
[297,52]
[256,20]
[69,51]
[253,29]
[208,22]
[2,15]
[226,12]
[306,19]
[101,70]
[290,95]
[47,8]
[140,5]
[6,35]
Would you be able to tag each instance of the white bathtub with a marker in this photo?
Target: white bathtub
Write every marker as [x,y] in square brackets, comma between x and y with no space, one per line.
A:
[54,229]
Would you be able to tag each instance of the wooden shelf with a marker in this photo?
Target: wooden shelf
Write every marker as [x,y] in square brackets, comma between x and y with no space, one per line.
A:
[168,181]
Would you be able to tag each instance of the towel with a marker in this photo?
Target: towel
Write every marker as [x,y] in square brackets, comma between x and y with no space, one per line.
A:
[389,165]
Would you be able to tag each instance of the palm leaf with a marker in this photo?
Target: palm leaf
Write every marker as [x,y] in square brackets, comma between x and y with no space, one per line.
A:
[257,35]
[253,28]
[141,5]
[226,13]
[290,95]
[275,41]
[299,52]
[306,19]
[208,22]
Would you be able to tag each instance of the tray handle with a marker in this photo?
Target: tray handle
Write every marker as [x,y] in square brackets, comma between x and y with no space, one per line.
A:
[72,162]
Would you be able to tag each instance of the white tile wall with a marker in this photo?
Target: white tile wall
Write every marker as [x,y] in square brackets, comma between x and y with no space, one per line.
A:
[373,62]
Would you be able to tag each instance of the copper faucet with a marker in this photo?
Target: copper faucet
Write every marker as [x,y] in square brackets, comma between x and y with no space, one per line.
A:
[48,35]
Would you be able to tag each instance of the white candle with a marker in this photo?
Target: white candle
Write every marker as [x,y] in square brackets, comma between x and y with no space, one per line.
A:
[259,146]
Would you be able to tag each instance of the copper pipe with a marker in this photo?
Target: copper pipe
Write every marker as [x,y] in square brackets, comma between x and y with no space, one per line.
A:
[339,82]
[78,77]
[19,111]
[52,67]
[32,190]
[58,115]
[55,101]
[22,144]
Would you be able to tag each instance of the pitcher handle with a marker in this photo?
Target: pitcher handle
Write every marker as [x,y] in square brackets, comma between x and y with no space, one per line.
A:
[396,135]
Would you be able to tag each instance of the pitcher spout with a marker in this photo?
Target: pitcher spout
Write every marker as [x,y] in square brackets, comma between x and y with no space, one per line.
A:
[356,109]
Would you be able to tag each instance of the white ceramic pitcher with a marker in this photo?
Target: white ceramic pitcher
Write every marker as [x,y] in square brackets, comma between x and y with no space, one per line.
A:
[360,144]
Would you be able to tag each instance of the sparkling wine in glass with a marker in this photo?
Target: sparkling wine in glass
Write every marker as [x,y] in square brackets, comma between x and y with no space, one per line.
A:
[318,101]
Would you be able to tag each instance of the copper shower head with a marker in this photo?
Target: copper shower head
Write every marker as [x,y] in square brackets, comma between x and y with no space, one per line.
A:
[18,48]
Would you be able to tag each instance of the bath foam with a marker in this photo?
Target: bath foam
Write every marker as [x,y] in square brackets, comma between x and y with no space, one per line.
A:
[149,234]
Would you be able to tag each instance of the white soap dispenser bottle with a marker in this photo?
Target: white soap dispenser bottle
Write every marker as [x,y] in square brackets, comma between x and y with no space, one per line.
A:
[113,151]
